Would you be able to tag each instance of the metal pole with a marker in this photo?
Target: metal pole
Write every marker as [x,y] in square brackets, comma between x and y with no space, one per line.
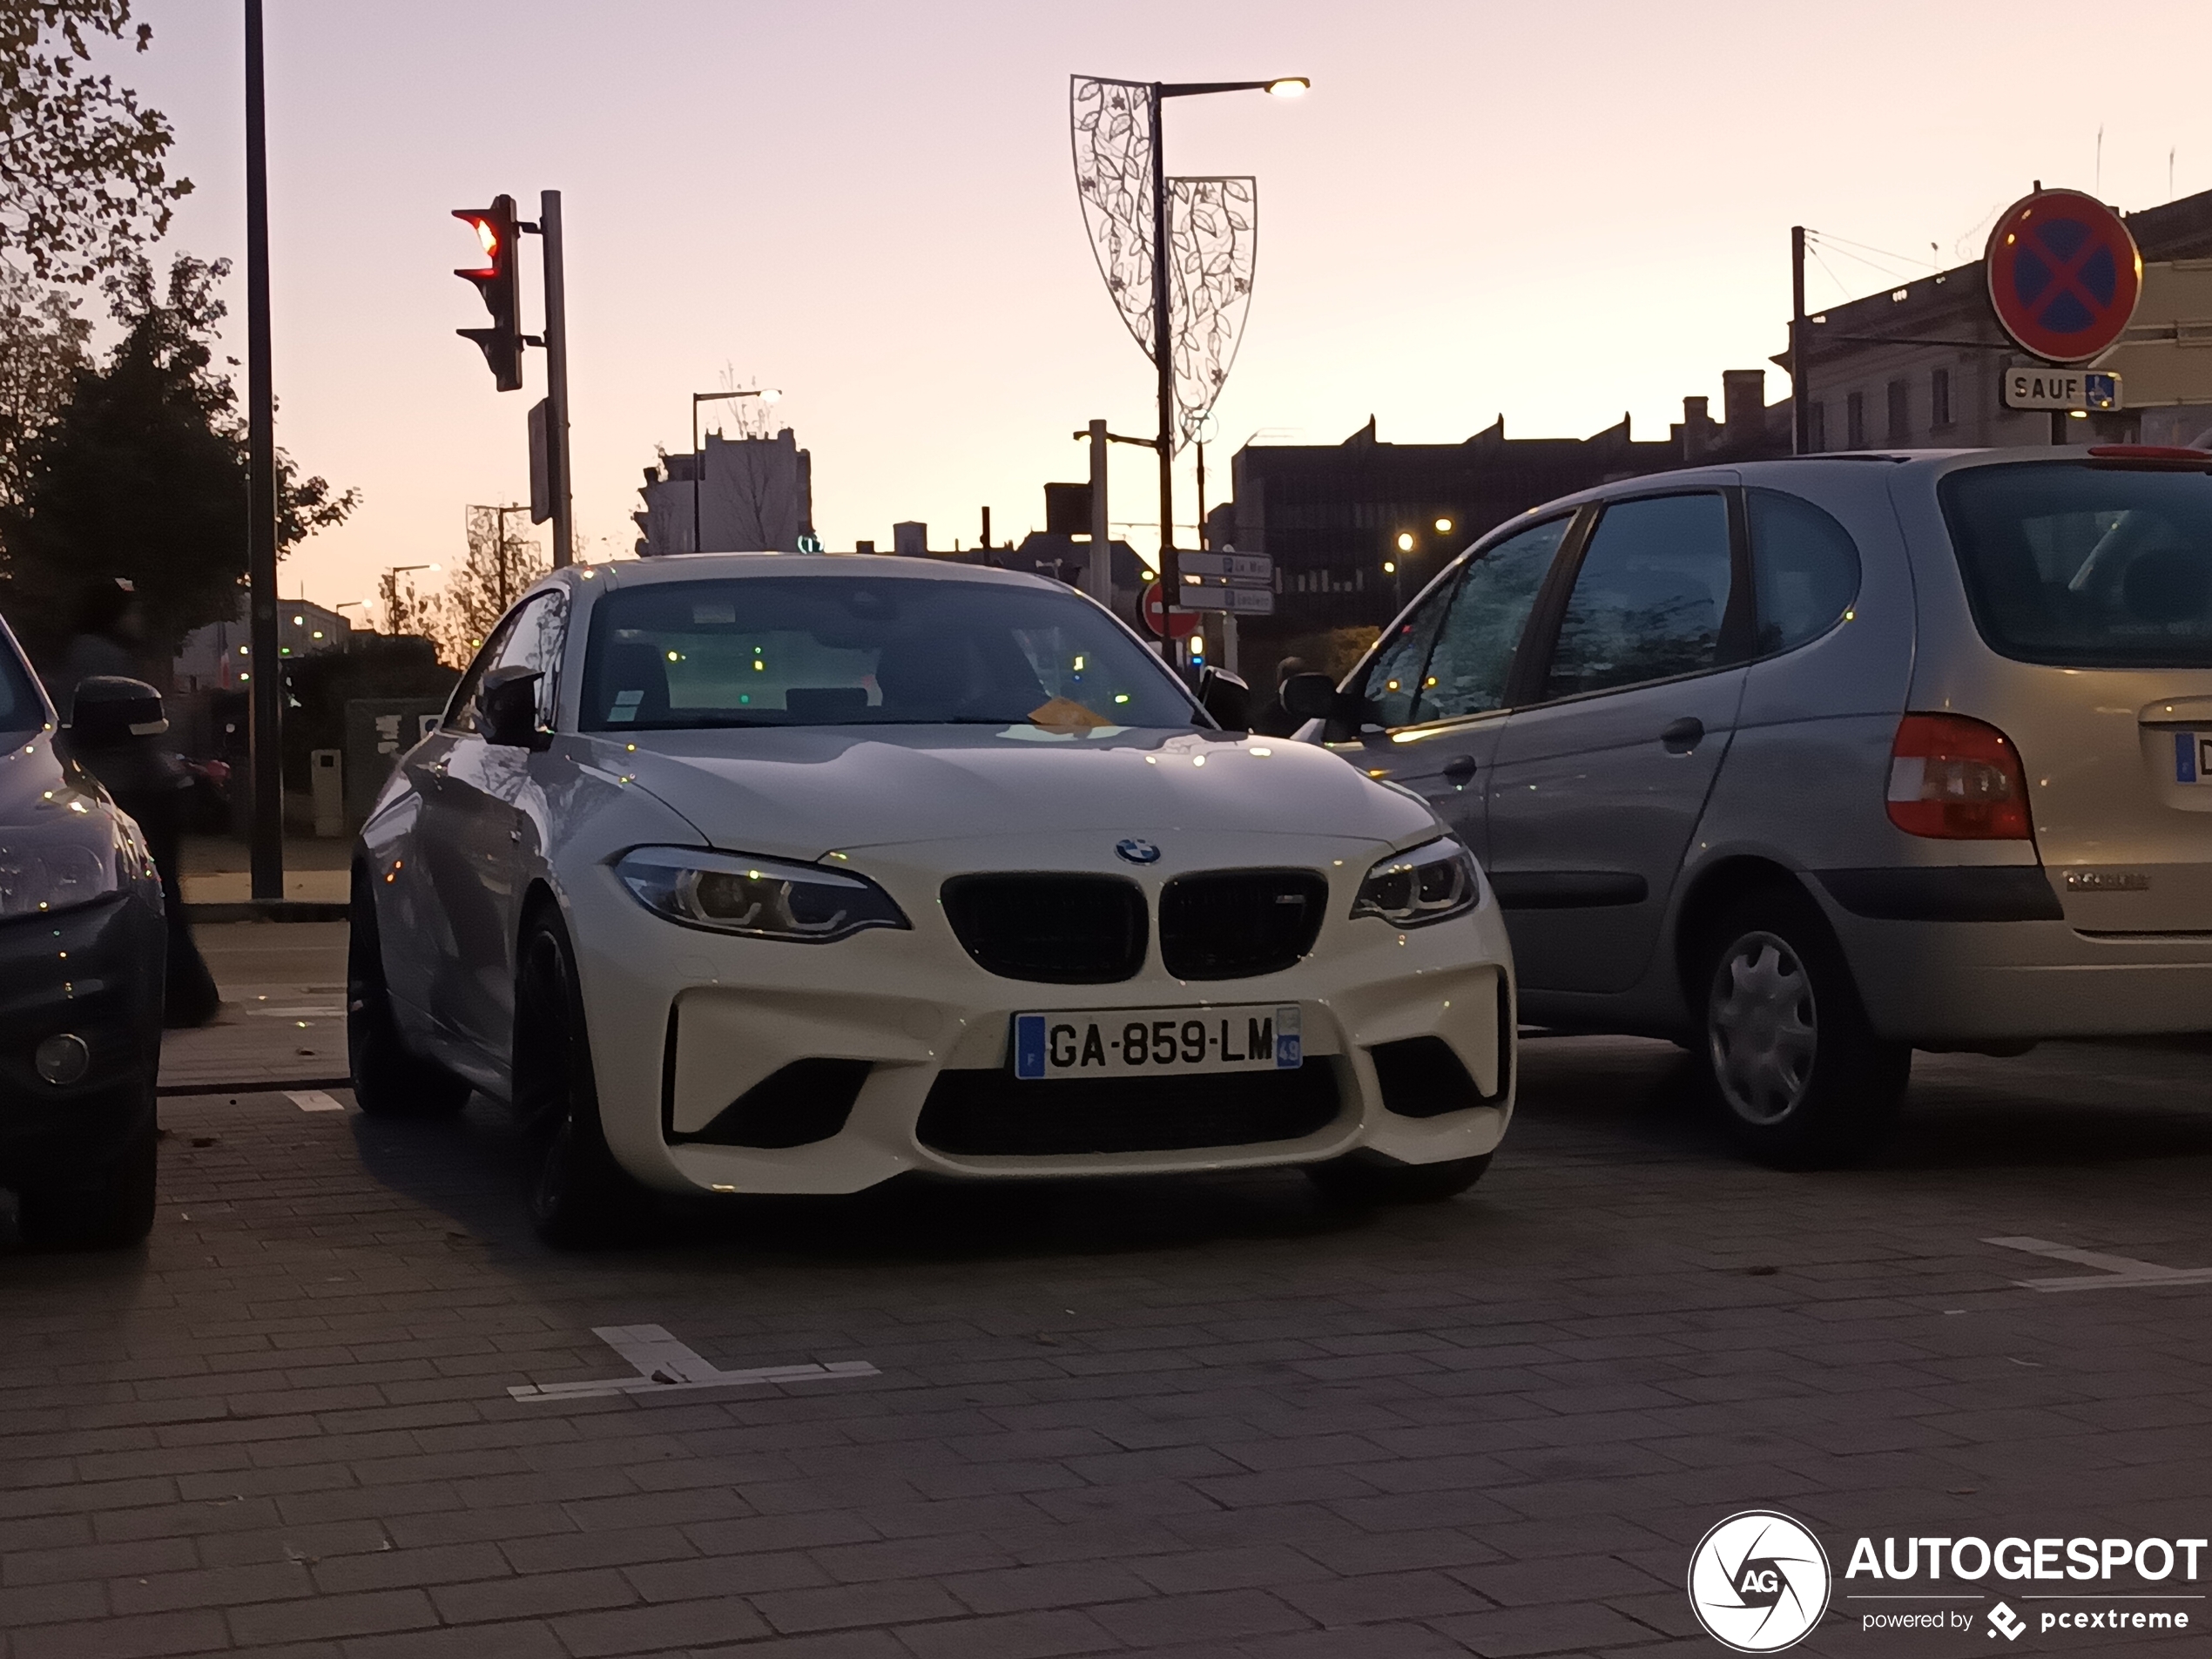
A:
[1098,577]
[556,378]
[1800,382]
[1163,360]
[699,475]
[265,727]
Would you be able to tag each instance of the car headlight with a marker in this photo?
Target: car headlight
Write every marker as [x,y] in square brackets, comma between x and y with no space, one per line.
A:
[70,860]
[762,898]
[1428,883]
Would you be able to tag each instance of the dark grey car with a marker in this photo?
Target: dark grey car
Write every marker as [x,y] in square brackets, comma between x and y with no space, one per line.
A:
[1808,764]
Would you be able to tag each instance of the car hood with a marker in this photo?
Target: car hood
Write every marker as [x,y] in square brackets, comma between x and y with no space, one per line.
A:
[804,791]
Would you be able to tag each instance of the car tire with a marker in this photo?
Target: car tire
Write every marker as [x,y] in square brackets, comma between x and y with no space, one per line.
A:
[110,1210]
[579,1194]
[1364,1179]
[1792,1060]
[389,1082]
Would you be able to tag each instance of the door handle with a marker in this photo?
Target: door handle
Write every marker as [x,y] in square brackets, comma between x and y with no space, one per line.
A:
[1683,735]
[1459,769]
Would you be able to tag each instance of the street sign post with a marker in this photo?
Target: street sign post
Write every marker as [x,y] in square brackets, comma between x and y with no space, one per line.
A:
[2068,390]
[2064,275]
[1258,569]
[1239,601]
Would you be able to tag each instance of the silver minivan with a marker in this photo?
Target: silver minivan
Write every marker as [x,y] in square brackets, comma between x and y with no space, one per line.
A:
[1809,764]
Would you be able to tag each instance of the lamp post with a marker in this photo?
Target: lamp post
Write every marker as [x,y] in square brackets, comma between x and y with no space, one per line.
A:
[391,586]
[766,393]
[1162,312]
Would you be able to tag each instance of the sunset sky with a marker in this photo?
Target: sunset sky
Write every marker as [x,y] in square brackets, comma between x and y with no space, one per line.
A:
[1556,212]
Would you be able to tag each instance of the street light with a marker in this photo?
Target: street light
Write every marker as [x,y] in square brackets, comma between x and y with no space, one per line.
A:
[391,584]
[1163,315]
[1443,527]
[766,393]
[1404,540]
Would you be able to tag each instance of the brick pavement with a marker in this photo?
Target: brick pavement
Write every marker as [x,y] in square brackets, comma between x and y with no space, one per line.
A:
[1207,1417]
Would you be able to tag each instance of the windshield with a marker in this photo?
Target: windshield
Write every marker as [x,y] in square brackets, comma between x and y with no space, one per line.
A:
[2085,566]
[19,707]
[852,650]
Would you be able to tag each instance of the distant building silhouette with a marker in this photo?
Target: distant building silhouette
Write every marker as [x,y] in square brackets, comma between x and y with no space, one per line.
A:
[758,497]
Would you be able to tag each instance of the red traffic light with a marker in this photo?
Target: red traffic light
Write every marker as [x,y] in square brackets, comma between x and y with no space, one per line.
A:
[499,281]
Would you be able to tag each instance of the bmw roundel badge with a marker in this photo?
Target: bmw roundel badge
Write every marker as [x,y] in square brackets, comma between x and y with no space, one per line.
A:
[1136,852]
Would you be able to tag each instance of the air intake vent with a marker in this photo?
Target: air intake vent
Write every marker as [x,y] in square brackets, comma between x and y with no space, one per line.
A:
[802,1102]
[992,1113]
[1234,923]
[1052,929]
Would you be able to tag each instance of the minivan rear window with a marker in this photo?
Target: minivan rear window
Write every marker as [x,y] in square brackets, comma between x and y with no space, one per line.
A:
[2085,566]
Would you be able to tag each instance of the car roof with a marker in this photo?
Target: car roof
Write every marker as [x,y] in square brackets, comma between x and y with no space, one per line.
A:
[695,567]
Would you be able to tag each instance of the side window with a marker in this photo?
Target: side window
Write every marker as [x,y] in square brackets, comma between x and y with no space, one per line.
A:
[1649,598]
[1474,651]
[1394,674]
[529,636]
[1804,570]
[461,710]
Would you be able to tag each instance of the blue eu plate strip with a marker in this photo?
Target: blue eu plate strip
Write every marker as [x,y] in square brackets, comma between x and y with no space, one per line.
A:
[1028,1045]
[2185,757]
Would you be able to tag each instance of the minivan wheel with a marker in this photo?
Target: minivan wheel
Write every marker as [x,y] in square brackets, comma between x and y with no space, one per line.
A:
[579,1194]
[1364,1179]
[389,1082]
[1797,1070]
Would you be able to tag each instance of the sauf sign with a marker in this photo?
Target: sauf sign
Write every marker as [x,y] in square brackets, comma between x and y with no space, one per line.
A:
[2040,388]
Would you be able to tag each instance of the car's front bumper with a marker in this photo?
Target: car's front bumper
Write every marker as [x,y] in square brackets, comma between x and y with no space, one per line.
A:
[96,972]
[685,1022]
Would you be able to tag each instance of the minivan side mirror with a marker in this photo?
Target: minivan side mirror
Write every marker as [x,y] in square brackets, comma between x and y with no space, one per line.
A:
[1310,697]
[1227,697]
[507,709]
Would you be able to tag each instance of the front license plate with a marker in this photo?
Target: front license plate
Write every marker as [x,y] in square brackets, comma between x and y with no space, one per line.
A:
[1156,1042]
[2193,757]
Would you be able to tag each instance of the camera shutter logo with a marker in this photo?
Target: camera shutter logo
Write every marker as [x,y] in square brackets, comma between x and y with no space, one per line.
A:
[1758,1582]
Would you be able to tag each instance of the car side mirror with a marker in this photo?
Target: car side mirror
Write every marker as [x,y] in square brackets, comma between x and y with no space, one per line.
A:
[507,709]
[1227,697]
[1311,697]
[108,711]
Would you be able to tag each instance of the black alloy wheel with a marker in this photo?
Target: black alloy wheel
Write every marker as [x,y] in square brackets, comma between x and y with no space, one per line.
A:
[389,1082]
[579,1194]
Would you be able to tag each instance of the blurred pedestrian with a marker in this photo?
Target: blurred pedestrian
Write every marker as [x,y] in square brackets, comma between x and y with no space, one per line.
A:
[115,732]
[1273,720]
[108,637]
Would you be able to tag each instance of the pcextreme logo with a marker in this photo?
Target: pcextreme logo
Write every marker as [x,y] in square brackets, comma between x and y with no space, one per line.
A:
[1760,1581]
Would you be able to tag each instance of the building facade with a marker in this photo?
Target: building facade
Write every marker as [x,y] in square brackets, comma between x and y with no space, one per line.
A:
[1355,529]
[214,658]
[1921,366]
[758,497]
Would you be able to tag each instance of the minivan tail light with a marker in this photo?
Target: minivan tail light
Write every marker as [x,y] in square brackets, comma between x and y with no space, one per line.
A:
[1957,779]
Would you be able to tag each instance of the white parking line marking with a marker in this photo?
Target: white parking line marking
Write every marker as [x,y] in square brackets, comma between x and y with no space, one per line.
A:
[2116,1272]
[665,1366]
[313,1100]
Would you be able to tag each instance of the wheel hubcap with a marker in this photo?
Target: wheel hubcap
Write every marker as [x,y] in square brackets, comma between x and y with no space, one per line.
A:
[1763,1028]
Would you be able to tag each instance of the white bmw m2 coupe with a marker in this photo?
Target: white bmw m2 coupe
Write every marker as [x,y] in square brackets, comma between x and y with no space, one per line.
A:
[752,873]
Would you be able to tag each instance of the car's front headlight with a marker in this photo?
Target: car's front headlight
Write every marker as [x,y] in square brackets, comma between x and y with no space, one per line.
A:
[761,898]
[1428,883]
[67,860]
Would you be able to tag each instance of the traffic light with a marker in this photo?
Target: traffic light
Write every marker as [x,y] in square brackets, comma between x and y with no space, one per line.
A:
[498,280]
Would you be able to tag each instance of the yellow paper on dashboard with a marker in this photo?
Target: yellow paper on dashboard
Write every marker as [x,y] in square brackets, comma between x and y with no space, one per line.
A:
[1065,714]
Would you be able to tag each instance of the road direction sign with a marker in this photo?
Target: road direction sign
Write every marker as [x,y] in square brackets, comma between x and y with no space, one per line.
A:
[2061,389]
[1240,601]
[2064,274]
[1153,609]
[1229,567]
